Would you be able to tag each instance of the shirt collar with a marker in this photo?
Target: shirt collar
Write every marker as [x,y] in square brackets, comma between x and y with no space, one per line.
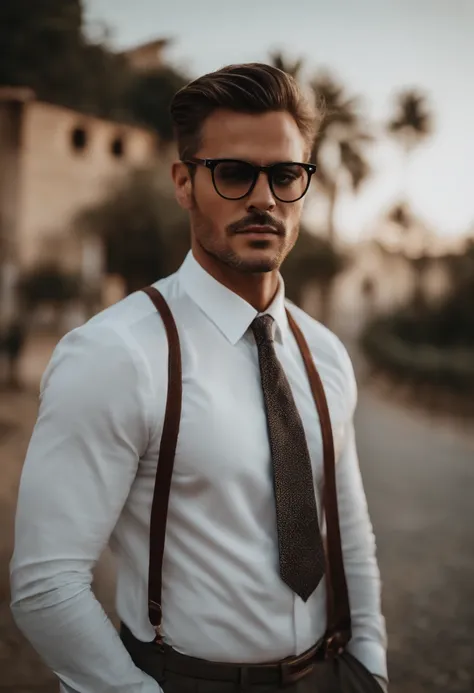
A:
[228,311]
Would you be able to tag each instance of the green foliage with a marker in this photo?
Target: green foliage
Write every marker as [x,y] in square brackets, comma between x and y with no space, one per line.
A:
[313,259]
[149,97]
[344,128]
[419,363]
[435,344]
[43,46]
[413,121]
[144,231]
[48,284]
[293,68]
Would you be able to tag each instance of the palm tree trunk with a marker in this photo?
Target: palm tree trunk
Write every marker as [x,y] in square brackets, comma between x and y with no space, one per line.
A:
[326,288]
[331,219]
[326,293]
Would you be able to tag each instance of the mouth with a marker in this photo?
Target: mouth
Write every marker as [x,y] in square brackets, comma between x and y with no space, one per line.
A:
[258,230]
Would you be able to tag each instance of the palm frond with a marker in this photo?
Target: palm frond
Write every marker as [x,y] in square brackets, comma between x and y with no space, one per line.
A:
[293,68]
[413,116]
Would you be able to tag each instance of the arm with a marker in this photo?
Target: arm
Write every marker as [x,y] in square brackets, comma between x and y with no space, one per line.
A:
[81,462]
[368,641]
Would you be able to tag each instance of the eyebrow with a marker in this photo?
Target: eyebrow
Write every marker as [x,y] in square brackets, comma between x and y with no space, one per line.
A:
[255,163]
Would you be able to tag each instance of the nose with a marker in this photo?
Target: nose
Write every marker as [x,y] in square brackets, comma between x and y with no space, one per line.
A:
[261,197]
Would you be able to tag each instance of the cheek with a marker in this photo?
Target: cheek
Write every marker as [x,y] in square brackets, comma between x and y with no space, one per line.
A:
[292,216]
[218,211]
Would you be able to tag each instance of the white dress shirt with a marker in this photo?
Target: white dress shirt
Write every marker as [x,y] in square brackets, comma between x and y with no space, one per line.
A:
[89,475]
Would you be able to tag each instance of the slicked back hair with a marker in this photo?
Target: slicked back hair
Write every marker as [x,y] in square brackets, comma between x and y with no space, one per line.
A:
[248,88]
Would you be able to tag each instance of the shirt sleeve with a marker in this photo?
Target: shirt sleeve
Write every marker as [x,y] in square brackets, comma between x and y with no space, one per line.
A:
[369,642]
[91,430]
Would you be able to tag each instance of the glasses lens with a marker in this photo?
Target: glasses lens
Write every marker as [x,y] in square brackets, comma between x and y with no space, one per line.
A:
[233,179]
[289,181]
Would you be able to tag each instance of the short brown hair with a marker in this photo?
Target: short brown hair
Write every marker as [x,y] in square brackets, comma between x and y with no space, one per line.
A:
[247,88]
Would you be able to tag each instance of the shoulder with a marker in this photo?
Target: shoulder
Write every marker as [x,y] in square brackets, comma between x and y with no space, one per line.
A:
[123,340]
[330,356]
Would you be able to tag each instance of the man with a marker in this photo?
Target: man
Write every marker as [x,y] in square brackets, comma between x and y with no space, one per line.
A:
[244,135]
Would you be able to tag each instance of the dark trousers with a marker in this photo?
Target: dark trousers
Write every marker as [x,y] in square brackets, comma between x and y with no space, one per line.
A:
[174,683]
[149,658]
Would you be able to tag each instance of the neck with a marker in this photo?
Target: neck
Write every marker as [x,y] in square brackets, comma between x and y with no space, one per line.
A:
[258,289]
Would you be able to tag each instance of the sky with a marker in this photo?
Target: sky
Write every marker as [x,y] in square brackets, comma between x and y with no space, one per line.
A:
[376,48]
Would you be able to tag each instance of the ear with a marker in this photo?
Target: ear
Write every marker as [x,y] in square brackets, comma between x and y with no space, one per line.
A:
[183,185]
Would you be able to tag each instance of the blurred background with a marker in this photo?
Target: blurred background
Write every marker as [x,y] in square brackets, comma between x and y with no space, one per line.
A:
[385,257]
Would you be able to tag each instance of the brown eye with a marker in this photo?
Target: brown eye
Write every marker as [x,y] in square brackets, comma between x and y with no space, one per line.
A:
[233,179]
[289,181]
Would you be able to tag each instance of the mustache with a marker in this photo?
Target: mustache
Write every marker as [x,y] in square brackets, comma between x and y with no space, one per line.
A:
[257,219]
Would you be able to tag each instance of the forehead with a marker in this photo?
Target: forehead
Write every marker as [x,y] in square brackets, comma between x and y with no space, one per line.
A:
[261,138]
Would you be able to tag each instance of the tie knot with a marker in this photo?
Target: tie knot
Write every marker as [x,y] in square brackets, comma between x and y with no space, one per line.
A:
[262,328]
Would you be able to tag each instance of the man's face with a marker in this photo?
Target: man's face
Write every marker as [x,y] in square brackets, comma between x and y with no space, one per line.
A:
[255,233]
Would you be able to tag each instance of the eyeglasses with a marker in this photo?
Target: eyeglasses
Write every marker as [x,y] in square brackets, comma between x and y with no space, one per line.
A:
[234,179]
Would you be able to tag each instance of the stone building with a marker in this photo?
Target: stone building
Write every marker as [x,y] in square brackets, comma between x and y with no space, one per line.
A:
[54,162]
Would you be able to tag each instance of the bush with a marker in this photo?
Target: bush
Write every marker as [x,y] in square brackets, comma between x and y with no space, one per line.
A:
[48,284]
[313,259]
[144,231]
[394,346]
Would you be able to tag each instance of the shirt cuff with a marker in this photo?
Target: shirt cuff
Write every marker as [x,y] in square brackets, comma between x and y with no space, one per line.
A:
[372,655]
[382,683]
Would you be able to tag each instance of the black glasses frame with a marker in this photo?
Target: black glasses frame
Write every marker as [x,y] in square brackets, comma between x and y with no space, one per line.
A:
[211,164]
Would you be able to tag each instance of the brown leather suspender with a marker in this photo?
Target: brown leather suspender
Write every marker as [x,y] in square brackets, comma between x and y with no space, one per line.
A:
[164,471]
[338,631]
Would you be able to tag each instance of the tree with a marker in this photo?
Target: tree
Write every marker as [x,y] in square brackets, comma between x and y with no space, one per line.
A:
[293,68]
[43,46]
[144,231]
[401,215]
[339,150]
[149,96]
[411,125]
[413,120]
[313,259]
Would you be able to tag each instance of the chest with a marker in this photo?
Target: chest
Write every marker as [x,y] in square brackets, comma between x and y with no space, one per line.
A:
[223,440]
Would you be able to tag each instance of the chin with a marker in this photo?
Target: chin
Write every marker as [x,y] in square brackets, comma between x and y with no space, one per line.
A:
[256,257]
[258,261]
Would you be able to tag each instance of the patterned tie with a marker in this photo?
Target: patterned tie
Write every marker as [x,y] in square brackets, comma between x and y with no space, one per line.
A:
[299,538]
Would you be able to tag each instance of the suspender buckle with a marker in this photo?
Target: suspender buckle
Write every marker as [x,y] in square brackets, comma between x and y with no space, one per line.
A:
[335,645]
[155,615]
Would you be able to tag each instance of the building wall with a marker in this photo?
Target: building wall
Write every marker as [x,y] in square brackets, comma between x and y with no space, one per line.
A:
[11,113]
[67,163]
[10,142]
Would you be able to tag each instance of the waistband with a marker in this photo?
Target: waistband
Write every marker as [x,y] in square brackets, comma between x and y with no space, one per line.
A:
[281,673]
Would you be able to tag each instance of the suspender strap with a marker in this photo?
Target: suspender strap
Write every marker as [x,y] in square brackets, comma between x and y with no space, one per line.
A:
[164,471]
[338,631]
[338,609]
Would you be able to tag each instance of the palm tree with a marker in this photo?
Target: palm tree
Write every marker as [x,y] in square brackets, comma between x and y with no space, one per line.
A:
[339,150]
[412,123]
[340,154]
[340,147]
[342,133]
[293,68]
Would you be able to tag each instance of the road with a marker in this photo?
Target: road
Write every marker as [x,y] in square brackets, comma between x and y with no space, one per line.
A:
[419,478]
